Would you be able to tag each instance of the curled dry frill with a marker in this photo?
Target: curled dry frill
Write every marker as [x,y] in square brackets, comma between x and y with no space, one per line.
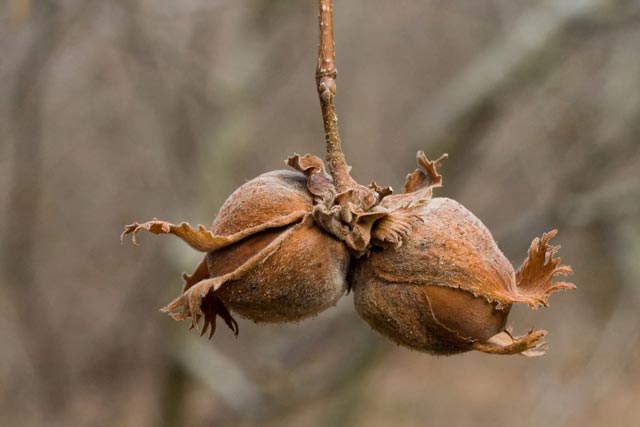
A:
[351,215]
[446,287]
[266,259]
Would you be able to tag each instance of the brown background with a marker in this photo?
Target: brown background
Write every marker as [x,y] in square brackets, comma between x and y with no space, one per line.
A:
[122,110]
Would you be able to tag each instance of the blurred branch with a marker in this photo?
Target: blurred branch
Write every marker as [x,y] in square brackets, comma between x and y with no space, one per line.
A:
[221,374]
[258,388]
[449,117]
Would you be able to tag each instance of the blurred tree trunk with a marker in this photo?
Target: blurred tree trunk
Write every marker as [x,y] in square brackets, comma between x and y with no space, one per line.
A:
[21,238]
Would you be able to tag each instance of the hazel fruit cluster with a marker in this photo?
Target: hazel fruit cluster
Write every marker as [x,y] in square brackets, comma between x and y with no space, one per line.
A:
[425,272]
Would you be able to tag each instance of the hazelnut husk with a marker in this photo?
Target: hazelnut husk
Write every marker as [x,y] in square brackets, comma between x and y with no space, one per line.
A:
[266,259]
[425,272]
[446,287]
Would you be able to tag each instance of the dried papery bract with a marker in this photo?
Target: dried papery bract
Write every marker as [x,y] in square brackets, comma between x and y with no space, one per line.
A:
[265,257]
[448,288]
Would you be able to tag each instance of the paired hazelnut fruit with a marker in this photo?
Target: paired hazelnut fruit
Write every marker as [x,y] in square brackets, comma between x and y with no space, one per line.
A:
[425,272]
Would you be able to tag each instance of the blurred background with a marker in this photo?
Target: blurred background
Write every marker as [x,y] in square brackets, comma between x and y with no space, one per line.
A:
[114,111]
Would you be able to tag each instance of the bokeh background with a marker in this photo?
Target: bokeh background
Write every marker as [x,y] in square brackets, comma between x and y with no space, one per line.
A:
[113,111]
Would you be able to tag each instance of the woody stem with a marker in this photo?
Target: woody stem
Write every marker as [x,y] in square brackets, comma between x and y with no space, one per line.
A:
[326,75]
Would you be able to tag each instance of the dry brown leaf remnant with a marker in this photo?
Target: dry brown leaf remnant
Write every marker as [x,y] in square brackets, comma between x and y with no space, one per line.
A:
[425,272]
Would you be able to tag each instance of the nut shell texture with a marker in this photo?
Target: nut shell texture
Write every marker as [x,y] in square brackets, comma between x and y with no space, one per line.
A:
[259,201]
[430,293]
[299,270]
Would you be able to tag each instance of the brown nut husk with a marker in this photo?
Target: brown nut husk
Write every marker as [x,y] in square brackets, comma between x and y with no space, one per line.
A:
[265,260]
[446,287]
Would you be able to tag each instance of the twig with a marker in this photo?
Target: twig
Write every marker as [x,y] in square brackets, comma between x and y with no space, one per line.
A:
[326,75]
